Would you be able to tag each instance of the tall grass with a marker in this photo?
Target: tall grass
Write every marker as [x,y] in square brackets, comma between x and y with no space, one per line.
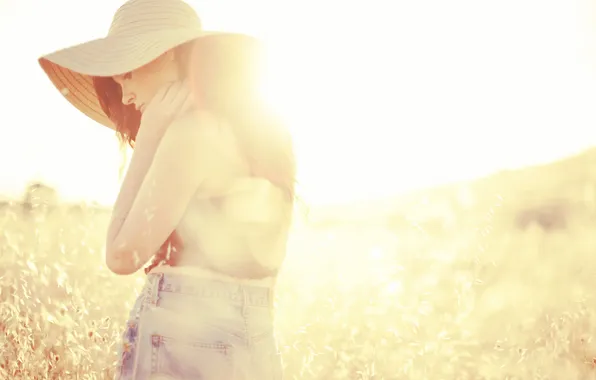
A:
[484,301]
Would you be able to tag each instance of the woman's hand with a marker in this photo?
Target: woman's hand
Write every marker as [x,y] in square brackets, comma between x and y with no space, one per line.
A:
[170,101]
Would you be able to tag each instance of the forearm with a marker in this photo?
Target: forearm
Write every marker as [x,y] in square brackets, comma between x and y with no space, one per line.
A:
[139,165]
[154,123]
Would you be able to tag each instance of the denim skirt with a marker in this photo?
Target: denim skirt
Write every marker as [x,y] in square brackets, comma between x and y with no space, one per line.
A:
[183,327]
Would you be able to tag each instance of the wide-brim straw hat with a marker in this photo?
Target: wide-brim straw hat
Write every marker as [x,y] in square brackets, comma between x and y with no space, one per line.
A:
[140,32]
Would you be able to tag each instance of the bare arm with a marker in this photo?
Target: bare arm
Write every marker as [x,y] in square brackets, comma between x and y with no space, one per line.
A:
[180,165]
[172,99]
[140,162]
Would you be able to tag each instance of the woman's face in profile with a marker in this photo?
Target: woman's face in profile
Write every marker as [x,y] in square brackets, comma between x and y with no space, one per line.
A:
[139,86]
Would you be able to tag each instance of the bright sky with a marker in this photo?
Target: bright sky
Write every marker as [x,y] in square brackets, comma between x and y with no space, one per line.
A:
[382,96]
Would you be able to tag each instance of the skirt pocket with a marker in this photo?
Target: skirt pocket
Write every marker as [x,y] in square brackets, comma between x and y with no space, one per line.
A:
[175,358]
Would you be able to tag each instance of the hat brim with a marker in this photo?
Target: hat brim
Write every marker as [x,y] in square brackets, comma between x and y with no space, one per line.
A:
[71,70]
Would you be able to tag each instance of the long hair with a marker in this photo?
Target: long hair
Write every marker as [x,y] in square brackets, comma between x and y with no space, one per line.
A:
[224,72]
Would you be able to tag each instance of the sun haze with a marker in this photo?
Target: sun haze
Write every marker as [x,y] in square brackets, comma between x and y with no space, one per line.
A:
[493,279]
[382,97]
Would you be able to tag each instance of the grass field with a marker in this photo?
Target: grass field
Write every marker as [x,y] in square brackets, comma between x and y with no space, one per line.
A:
[481,289]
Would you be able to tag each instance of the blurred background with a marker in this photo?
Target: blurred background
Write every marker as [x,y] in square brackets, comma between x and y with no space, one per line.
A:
[446,158]
[382,97]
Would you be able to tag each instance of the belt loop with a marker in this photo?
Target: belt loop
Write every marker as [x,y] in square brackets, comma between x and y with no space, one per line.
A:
[156,286]
[272,294]
[245,299]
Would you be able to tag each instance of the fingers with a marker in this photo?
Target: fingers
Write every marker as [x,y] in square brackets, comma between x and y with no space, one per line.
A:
[188,104]
[164,92]
[175,96]
[172,99]
[183,100]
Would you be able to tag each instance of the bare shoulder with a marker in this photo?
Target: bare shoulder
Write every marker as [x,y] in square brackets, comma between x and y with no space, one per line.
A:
[201,133]
[200,125]
[207,141]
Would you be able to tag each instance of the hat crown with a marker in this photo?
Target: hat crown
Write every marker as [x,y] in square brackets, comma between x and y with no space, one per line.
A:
[147,16]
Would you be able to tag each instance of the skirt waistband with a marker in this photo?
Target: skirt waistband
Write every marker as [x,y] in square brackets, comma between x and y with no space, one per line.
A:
[252,295]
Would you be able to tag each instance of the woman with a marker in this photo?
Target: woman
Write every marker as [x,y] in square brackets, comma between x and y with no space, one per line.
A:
[210,188]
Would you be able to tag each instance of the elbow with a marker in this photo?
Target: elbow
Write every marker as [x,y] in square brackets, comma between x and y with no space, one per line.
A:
[119,270]
[117,265]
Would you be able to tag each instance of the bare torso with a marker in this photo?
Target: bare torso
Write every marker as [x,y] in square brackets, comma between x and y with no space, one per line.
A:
[234,220]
